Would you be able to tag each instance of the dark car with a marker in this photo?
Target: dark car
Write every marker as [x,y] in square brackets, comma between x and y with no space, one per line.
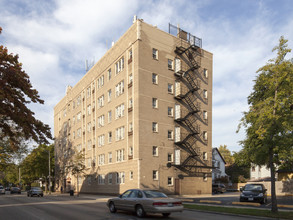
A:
[254,193]
[35,191]
[15,190]
[145,201]
[218,188]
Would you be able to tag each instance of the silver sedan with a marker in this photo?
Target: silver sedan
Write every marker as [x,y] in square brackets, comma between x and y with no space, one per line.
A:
[145,201]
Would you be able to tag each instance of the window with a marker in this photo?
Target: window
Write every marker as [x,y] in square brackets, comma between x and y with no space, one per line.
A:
[89,145]
[101,179]
[155,103]
[101,101]
[205,94]
[110,137]
[170,88]
[170,157]
[170,111]
[119,111]
[89,127]
[109,95]
[78,100]
[130,103]
[155,54]
[205,73]
[78,116]
[109,116]
[205,155]
[155,78]
[120,177]
[110,157]
[155,127]
[73,120]
[78,147]
[155,175]
[130,127]
[205,135]
[101,140]
[205,115]
[253,168]
[100,82]
[205,177]
[170,181]
[120,155]
[170,134]
[110,177]
[78,133]
[101,121]
[109,74]
[119,66]
[131,175]
[170,64]
[120,132]
[101,159]
[89,162]
[89,109]
[88,92]
[130,153]
[155,151]
[130,54]
[130,79]
[119,89]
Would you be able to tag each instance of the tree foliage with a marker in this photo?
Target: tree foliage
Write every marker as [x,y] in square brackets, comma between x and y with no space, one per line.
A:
[16,119]
[268,123]
[36,164]
[226,154]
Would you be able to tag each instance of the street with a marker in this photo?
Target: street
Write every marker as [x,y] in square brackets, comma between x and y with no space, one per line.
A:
[59,206]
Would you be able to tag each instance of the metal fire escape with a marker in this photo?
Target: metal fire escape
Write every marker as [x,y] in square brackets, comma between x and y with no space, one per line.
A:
[187,85]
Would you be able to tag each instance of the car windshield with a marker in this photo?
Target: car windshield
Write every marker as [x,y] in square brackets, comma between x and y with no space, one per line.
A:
[154,194]
[253,187]
[36,188]
[1,187]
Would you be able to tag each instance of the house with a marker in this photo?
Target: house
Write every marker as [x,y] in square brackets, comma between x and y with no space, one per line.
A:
[141,116]
[218,165]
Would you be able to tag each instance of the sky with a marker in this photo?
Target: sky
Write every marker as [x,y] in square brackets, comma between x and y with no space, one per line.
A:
[53,38]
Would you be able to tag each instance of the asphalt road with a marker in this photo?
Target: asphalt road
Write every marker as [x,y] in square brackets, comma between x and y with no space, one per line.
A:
[71,207]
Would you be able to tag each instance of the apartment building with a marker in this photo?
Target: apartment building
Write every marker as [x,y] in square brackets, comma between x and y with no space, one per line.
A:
[141,116]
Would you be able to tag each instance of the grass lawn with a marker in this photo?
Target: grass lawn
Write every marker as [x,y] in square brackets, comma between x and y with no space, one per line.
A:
[241,211]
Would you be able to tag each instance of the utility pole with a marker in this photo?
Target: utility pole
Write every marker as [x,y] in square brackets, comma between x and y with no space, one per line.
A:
[49,174]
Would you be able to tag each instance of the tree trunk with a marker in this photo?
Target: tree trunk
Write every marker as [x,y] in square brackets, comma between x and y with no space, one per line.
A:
[273,182]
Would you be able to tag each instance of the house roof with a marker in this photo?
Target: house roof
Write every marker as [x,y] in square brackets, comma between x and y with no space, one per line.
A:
[216,149]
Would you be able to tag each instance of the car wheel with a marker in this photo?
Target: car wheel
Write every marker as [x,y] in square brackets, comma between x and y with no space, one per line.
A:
[140,211]
[112,207]
[42,195]
[166,214]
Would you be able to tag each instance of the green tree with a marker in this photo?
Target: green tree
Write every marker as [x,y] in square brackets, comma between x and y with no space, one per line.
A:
[16,119]
[77,167]
[226,154]
[268,122]
[36,164]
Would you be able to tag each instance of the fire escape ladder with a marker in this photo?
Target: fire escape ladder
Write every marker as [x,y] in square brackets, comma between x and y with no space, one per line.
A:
[189,99]
[190,78]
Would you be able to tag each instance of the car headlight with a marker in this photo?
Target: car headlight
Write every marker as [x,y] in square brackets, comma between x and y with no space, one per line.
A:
[260,195]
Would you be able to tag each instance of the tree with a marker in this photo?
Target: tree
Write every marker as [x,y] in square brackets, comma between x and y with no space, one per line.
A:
[16,119]
[77,167]
[268,122]
[226,154]
[36,164]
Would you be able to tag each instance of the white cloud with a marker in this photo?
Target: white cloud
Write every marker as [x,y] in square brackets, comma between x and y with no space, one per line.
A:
[53,39]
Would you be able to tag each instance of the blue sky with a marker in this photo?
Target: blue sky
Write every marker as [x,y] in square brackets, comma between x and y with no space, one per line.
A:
[54,38]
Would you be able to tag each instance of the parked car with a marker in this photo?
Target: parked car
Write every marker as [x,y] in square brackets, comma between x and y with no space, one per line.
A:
[218,188]
[254,193]
[2,190]
[35,191]
[145,201]
[15,190]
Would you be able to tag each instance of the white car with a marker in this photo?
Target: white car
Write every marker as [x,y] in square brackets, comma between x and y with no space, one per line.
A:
[2,190]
